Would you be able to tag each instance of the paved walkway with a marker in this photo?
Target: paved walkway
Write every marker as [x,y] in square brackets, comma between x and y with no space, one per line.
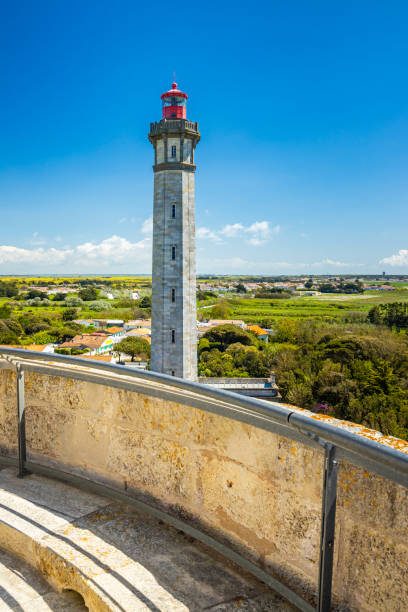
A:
[118,559]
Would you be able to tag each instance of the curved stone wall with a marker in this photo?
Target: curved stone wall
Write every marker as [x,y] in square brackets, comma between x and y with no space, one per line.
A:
[258,490]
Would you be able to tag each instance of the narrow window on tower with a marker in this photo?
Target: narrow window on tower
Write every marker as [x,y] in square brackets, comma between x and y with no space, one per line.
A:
[173,151]
[173,295]
[173,336]
[173,211]
[173,252]
[173,373]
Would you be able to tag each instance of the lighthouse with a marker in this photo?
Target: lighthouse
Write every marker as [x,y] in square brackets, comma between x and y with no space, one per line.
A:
[174,311]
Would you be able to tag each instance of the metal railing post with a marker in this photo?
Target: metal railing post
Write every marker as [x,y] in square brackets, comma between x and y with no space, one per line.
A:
[329,496]
[22,455]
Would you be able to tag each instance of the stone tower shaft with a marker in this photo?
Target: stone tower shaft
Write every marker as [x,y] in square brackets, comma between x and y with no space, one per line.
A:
[174,312]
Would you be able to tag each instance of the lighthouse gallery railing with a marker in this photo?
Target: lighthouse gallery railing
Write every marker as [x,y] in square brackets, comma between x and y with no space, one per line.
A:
[336,444]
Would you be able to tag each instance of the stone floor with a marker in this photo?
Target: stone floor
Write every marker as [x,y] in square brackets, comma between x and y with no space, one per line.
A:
[23,588]
[117,558]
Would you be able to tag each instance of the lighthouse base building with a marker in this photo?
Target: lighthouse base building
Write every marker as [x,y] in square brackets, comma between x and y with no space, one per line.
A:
[174,312]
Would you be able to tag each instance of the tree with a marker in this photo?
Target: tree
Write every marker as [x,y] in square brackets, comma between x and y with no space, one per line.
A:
[135,347]
[203,345]
[359,374]
[67,332]
[374,316]
[73,301]
[69,314]
[88,294]
[205,295]
[216,363]
[394,316]
[44,337]
[140,313]
[5,311]
[7,336]
[58,297]
[34,293]
[32,323]
[223,335]
[309,283]
[221,311]
[145,302]
[8,289]
[240,288]
[14,326]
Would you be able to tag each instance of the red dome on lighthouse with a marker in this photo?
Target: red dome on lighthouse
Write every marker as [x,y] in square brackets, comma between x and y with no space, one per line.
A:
[174,103]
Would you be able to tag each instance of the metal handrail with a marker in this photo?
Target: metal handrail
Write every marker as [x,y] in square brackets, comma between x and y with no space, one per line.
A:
[337,444]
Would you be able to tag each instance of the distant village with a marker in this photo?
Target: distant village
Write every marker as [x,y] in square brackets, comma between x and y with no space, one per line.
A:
[102,335]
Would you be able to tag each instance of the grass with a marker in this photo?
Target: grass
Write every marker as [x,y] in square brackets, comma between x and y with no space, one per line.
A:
[326,306]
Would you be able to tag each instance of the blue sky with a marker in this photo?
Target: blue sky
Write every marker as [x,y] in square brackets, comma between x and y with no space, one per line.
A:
[302,165]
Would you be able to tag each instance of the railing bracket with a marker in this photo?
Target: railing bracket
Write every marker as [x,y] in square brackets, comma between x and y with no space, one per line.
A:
[329,498]
[22,453]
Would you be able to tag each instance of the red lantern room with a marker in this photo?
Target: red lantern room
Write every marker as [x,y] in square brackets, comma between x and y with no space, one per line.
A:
[174,103]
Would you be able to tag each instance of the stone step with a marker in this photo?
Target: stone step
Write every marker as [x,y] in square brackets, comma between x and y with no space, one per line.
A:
[118,559]
[23,588]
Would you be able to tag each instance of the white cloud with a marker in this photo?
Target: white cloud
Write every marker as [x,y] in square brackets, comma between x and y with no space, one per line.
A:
[147,227]
[111,250]
[114,249]
[400,259]
[260,228]
[256,241]
[259,232]
[330,262]
[207,234]
[231,230]
[239,265]
[12,254]
[336,264]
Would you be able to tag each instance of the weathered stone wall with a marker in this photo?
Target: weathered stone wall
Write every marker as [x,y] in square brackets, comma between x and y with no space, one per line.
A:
[178,358]
[256,489]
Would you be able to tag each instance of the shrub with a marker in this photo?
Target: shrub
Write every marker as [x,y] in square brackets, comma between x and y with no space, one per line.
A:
[99,305]
[69,314]
[73,302]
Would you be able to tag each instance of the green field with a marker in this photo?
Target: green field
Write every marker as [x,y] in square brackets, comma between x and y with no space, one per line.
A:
[265,312]
[326,306]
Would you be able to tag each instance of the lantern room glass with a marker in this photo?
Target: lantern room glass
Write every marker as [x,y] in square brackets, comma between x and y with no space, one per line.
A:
[174,101]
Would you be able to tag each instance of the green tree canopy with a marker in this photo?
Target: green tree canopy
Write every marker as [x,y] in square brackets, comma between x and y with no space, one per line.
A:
[135,347]
[8,289]
[354,372]
[69,314]
[224,335]
[240,288]
[221,311]
[88,294]
[34,293]
[145,302]
[33,323]
[5,311]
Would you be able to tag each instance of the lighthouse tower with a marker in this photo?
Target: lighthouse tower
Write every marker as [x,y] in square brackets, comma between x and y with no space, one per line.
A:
[174,315]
